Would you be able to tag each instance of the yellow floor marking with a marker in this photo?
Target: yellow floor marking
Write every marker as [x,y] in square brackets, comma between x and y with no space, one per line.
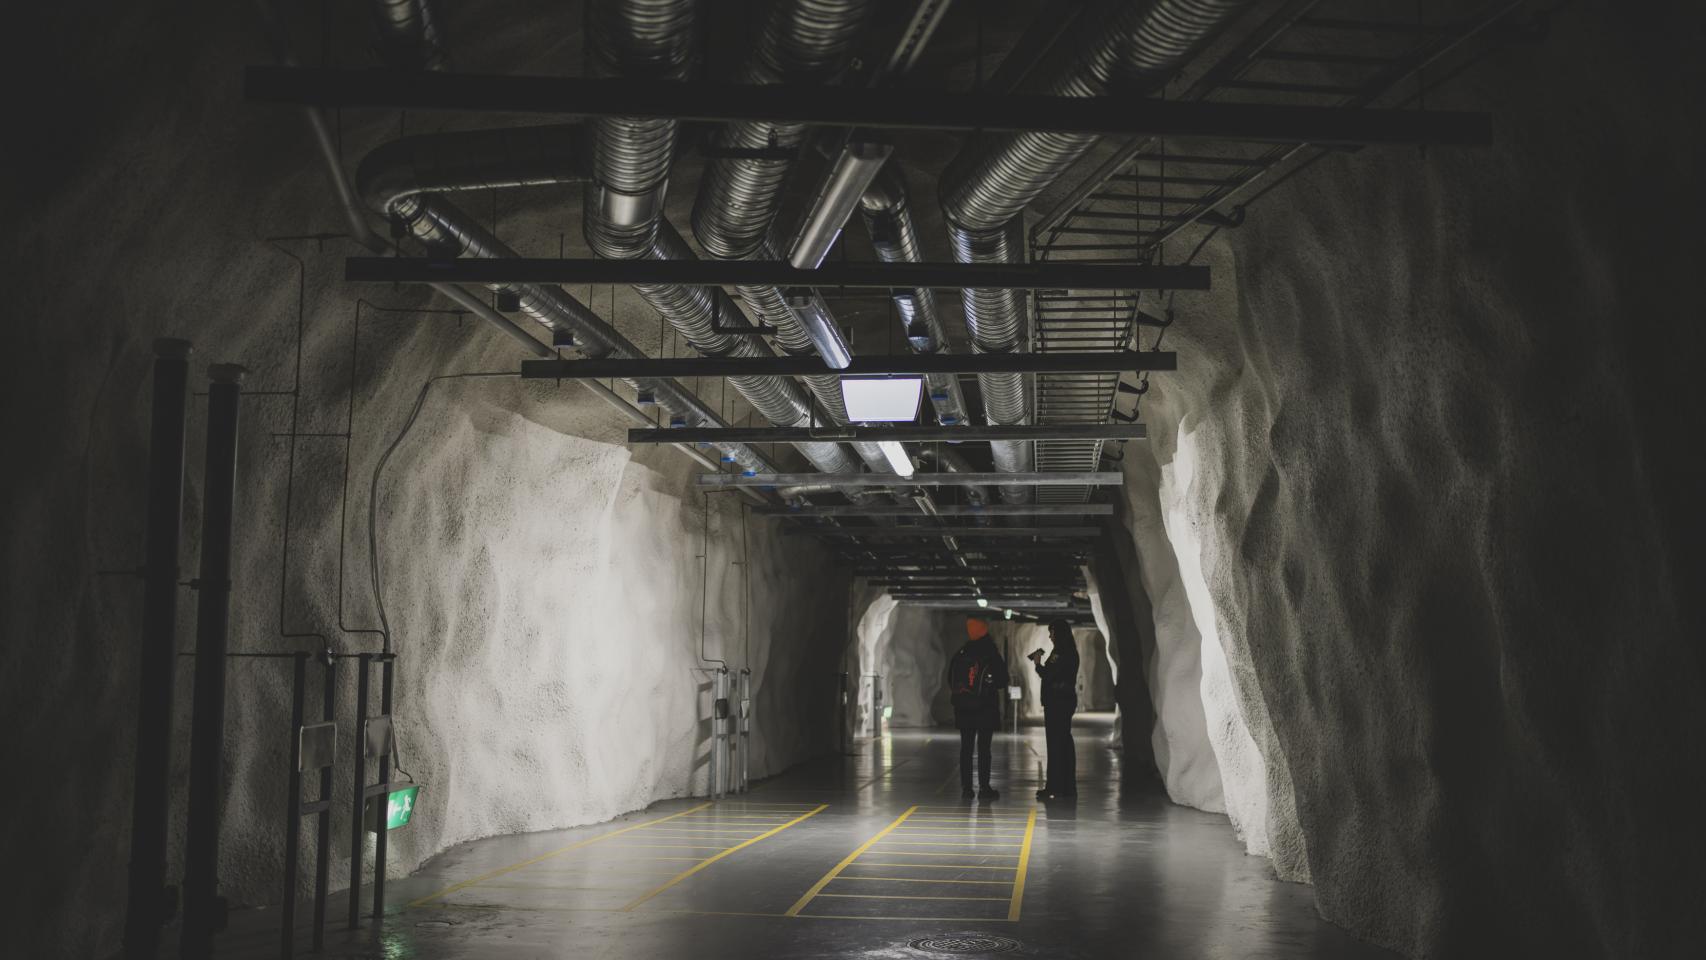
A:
[944,843]
[849,916]
[946,866]
[999,883]
[1024,866]
[962,853]
[546,856]
[817,887]
[670,846]
[898,896]
[695,869]
[550,886]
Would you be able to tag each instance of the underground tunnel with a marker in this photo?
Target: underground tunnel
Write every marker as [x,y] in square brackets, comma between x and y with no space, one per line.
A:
[504,479]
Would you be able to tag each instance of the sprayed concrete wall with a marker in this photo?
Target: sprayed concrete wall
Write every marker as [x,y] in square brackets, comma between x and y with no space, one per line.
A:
[1420,479]
[542,579]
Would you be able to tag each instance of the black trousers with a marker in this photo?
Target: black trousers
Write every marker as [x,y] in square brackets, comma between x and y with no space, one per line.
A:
[1062,753]
[982,738]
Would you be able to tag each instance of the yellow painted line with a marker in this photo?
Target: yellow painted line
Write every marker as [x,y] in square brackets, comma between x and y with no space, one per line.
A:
[946,843]
[817,887]
[1024,866]
[998,883]
[945,866]
[898,896]
[551,886]
[546,856]
[854,916]
[670,846]
[962,853]
[683,875]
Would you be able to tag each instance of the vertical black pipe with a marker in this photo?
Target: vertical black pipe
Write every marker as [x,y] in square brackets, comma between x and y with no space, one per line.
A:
[323,820]
[360,761]
[387,661]
[203,910]
[293,811]
[146,909]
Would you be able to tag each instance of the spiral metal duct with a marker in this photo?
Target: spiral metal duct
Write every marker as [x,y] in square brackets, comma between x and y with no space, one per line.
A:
[888,220]
[408,34]
[994,178]
[624,210]
[799,42]
[471,160]
[447,230]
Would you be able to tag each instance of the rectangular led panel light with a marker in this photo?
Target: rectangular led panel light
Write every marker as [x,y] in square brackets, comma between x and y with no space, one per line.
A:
[882,399]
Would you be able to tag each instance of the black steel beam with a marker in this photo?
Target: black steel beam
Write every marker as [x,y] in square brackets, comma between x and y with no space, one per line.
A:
[204,914]
[1089,478]
[901,432]
[860,107]
[1124,361]
[1048,275]
[945,531]
[989,510]
[157,653]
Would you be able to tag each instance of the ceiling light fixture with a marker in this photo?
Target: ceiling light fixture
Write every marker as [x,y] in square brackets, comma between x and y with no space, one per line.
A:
[983,601]
[882,399]
[854,169]
[897,457]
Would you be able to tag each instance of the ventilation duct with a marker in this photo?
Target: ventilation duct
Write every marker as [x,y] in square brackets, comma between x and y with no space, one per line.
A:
[407,34]
[995,177]
[653,39]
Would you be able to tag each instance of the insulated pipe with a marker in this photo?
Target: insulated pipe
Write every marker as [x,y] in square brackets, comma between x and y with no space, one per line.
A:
[799,42]
[441,226]
[145,910]
[204,913]
[993,178]
[407,34]
[498,159]
[888,219]
[624,210]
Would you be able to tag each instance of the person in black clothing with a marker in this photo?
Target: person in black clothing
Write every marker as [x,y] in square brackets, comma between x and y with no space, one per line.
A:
[977,680]
[1059,674]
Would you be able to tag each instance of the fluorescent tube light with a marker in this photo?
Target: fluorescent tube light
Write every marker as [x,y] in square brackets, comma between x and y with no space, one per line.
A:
[882,399]
[821,327]
[854,170]
[897,457]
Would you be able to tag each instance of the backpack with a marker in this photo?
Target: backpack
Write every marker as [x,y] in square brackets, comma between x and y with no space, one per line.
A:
[968,679]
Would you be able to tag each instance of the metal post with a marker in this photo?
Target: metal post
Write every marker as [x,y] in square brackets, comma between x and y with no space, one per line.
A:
[386,664]
[360,789]
[293,812]
[204,910]
[745,729]
[719,711]
[147,908]
[323,819]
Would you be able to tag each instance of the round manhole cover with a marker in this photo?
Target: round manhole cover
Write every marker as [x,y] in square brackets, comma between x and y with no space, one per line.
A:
[966,945]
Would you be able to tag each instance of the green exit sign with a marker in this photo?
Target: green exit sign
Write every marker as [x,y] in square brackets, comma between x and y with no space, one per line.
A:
[399,808]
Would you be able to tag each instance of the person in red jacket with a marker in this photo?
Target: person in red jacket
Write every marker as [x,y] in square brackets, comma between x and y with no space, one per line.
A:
[977,680]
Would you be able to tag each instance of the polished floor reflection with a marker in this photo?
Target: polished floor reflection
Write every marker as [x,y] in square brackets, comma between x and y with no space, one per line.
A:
[862,856]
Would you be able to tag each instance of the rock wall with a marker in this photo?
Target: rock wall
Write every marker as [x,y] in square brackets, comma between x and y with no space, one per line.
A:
[1426,447]
[541,578]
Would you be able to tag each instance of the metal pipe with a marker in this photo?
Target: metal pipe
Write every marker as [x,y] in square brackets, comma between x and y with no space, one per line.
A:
[408,34]
[855,167]
[788,480]
[473,160]
[995,176]
[992,510]
[1129,361]
[204,910]
[145,909]
[884,432]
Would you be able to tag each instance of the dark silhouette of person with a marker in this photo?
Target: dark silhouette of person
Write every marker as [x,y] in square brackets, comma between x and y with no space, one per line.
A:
[1059,675]
[977,680]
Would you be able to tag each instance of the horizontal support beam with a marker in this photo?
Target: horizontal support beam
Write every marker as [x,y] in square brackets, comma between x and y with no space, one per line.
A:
[1102,478]
[988,510]
[1120,361]
[902,432]
[890,533]
[849,106]
[873,275]
[996,605]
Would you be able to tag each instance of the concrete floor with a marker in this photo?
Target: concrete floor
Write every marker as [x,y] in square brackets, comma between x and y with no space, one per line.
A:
[858,857]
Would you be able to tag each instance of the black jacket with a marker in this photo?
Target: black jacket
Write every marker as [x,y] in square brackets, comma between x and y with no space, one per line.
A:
[986,715]
[1059,673]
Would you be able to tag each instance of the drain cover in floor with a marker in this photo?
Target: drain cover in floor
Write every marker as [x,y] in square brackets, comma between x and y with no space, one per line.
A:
[966,945]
